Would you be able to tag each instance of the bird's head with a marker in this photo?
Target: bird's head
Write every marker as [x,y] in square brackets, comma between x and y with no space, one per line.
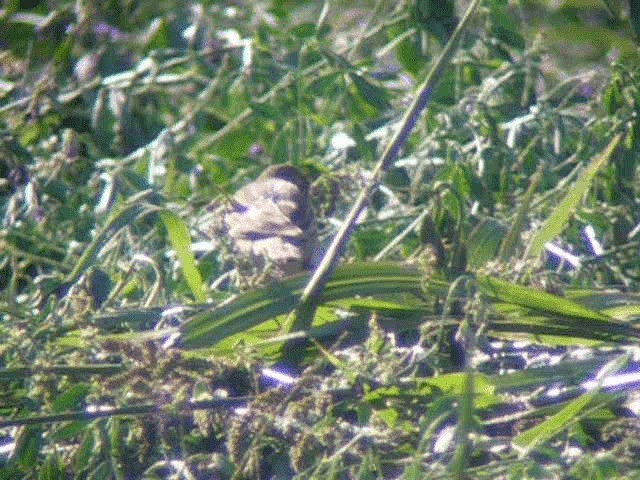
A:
[288,173]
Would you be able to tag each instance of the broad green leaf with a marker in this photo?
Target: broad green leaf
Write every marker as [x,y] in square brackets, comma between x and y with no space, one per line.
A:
[384,307]
[389,416]
[52,468]
[85,450]
[71,398]
[455,383]
[537,299]
[556,320]
[372,94]
[279,298]
[407,52]
[552,331]
[28,443]
[567,372]
[68,431]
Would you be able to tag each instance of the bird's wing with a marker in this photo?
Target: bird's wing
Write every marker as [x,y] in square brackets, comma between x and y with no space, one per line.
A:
[267,208]
[261,220]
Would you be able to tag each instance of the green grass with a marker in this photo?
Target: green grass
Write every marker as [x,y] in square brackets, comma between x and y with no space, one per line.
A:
[447,343]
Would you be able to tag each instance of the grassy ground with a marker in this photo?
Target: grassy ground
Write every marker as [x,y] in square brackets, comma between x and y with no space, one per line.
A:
[483,320]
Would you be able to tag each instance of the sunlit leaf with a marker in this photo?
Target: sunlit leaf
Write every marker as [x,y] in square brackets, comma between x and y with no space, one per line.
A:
[556,222]
[280,298]
[181,243]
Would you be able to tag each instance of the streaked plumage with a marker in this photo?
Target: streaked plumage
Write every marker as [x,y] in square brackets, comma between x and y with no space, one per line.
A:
[272,218]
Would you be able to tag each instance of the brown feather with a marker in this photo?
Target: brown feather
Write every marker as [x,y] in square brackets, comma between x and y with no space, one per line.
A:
[272,218]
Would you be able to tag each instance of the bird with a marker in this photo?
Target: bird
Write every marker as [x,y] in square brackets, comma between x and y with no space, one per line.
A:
[271,220]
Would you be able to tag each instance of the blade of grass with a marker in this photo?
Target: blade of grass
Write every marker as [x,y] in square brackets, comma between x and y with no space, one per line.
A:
[509,242]
[560,216]
[181,243]
[133,410]
[571,413]
[562,331]
[529,297]
[134,208]
[15,373]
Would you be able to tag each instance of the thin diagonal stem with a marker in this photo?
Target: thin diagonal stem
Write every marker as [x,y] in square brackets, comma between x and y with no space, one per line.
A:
[330,259]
